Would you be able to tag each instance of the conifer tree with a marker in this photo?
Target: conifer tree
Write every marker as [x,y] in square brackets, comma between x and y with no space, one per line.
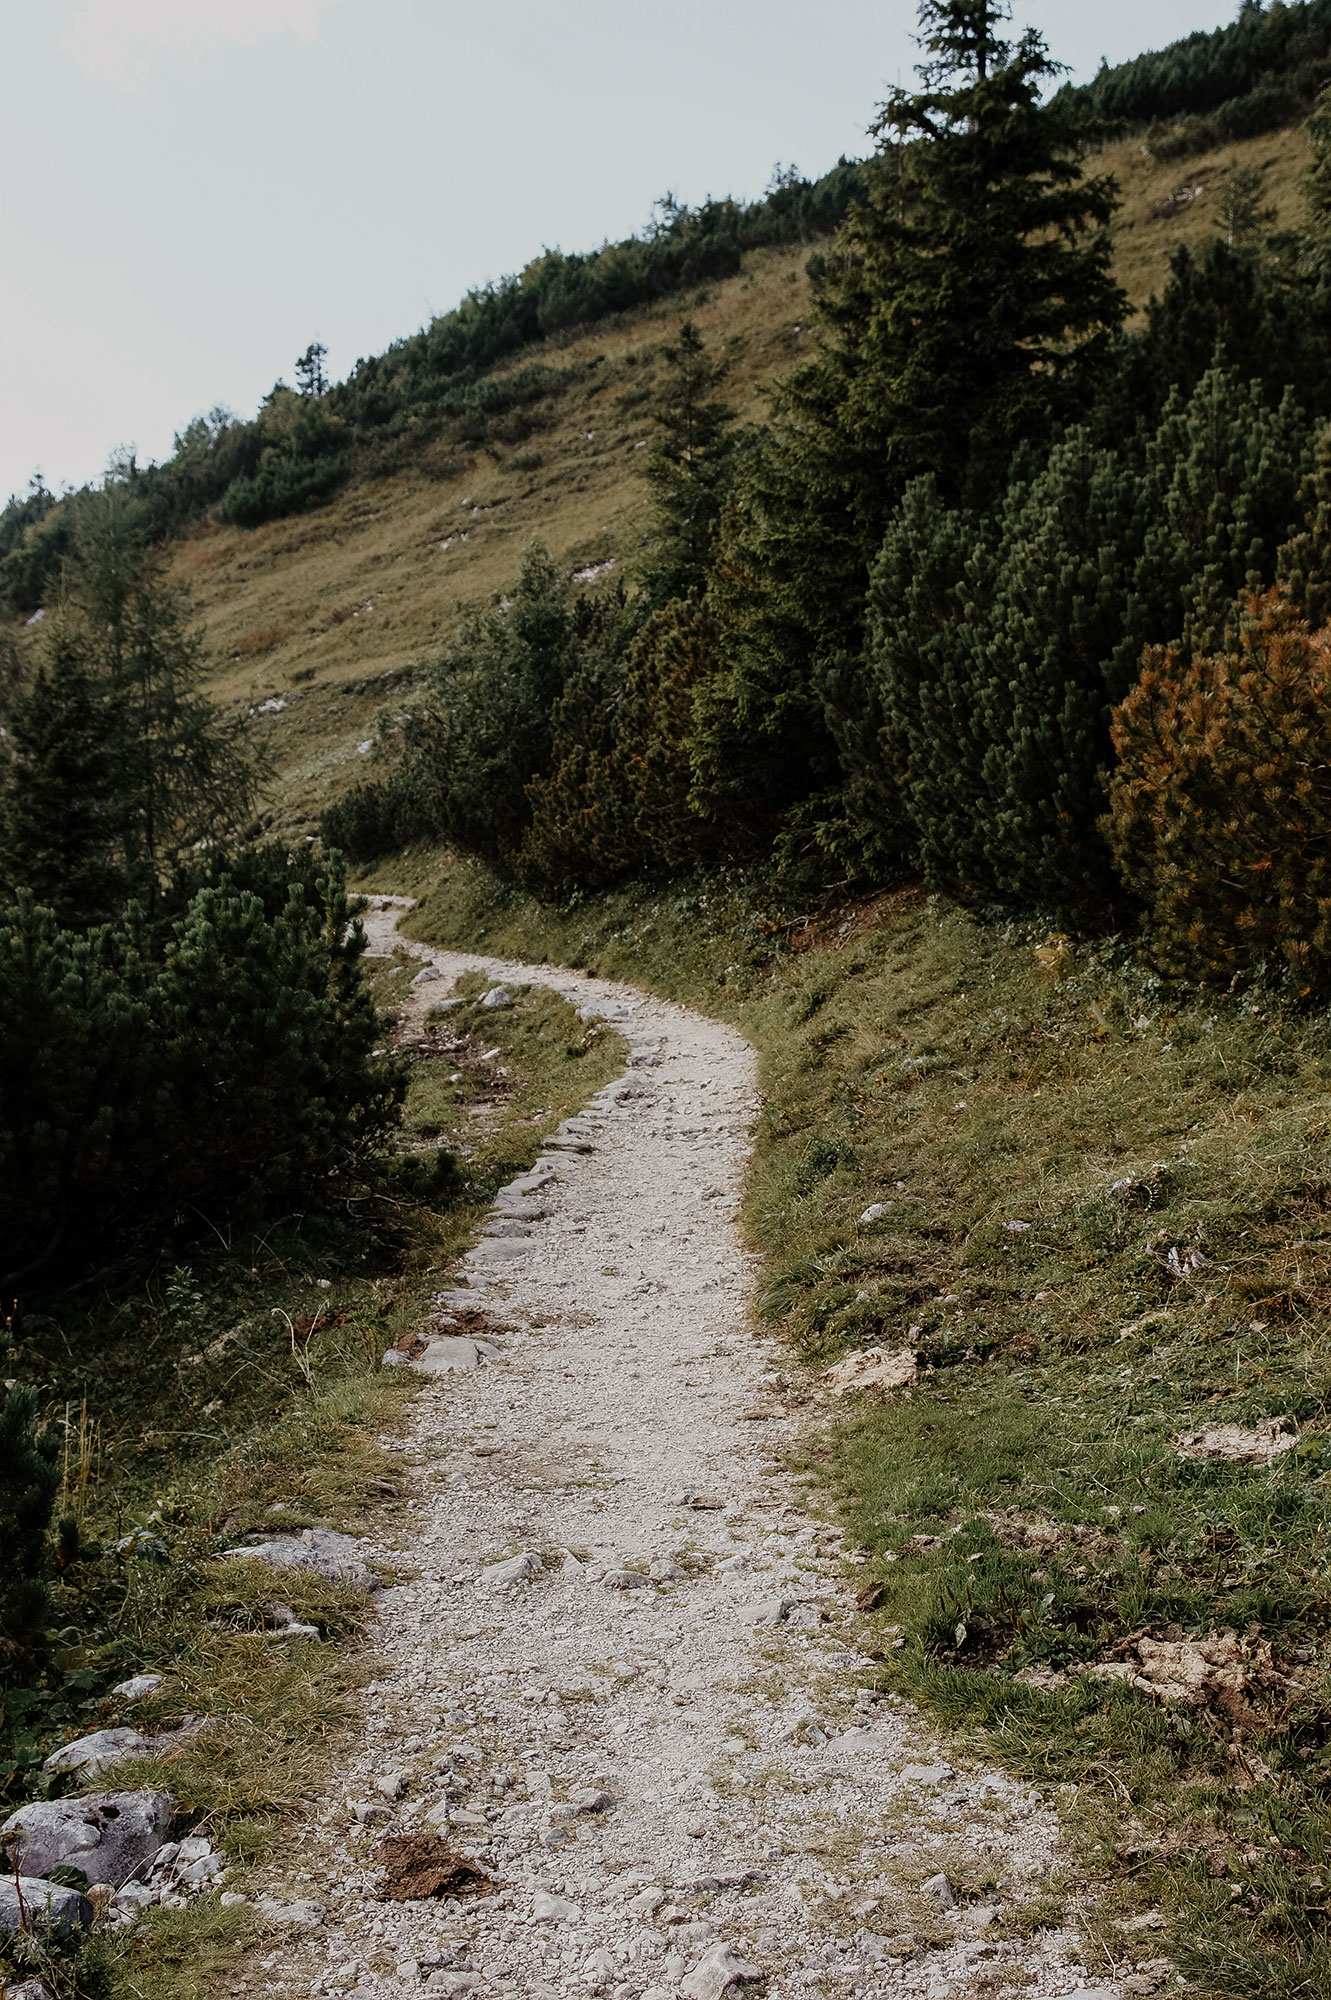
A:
[60,788]
[968,299]
[184,772]
[687,469]
[966,305]
[1241,214]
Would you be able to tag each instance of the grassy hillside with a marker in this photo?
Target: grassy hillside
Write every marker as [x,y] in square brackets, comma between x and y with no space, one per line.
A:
[328,613]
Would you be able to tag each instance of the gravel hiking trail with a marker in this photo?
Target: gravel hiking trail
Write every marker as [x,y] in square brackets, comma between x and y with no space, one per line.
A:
[623,1674]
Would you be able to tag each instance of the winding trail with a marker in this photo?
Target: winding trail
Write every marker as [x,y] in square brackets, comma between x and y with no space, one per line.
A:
[656,1739]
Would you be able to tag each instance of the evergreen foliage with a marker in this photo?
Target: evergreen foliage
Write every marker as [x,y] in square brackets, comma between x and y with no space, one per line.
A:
[999,643]
[1222,306]
[60,795]
[1241,215]
[29,1483]
[210,1065]
[618,796]
[688,470]
[1209,88]
[115,761]
[484,734]
[967,302]
[965,305]
[1220,805]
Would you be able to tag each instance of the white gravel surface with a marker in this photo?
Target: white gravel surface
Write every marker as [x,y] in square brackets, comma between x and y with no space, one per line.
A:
[625,1678]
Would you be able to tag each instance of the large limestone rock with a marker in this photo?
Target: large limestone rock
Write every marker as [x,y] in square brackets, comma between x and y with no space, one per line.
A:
[109,1836]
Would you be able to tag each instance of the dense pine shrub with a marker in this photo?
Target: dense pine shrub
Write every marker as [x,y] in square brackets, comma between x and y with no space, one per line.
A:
[999,643]
[210,1065]
[1241,79]
[1220,804]
[618,797]
[282,486]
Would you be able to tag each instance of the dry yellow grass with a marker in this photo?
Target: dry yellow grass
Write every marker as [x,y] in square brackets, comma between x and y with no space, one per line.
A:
[330,612]
[1144,245]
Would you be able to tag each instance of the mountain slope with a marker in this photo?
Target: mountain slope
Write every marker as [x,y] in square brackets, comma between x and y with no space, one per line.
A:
[318,620]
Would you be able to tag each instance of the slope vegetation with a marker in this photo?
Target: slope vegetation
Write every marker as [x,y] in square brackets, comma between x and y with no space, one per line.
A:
[328,613]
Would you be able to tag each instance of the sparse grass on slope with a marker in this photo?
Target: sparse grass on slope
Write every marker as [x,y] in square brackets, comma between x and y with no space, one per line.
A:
[1026,1509]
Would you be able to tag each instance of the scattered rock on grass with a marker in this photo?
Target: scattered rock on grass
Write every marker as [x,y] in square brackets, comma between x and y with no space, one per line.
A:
[873,1368]
[137,1687]
[1259,1445]
[1212,1672]
[498,996]
[94,1752]
[322,1549]
[940,1891]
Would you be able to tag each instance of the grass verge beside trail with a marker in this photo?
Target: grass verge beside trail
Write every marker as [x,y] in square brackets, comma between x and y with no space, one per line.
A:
[1104,1223]
[242,1393]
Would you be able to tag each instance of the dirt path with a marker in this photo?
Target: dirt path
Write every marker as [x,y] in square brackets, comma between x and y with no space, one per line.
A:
[650,1730]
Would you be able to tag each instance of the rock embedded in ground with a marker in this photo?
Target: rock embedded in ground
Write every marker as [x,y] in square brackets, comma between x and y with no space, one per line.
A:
[137,1687]
[548,1909]
[498,996]
[447,1354]
[323,1550]
[881,1368]
[720,1968]
[108,1835]
[514,1569]
[29,1903]
[301,1913]
[97,1751]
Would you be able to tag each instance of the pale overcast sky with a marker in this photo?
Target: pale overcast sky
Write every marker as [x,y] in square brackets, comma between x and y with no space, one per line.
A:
[192,190]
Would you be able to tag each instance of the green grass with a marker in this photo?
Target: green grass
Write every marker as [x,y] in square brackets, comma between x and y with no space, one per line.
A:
[967,1076]
[241,1392]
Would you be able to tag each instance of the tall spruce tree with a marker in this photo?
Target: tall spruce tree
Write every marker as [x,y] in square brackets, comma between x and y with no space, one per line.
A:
[968,299]
[185,773]
[61,804]
[965,307]
[687,469]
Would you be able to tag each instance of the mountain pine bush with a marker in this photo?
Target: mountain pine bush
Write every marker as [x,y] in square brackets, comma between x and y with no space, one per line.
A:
[999,643]
[214,1063]
[1220,804]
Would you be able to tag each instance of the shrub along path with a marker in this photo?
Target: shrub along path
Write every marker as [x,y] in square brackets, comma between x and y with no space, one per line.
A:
[624,1675]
